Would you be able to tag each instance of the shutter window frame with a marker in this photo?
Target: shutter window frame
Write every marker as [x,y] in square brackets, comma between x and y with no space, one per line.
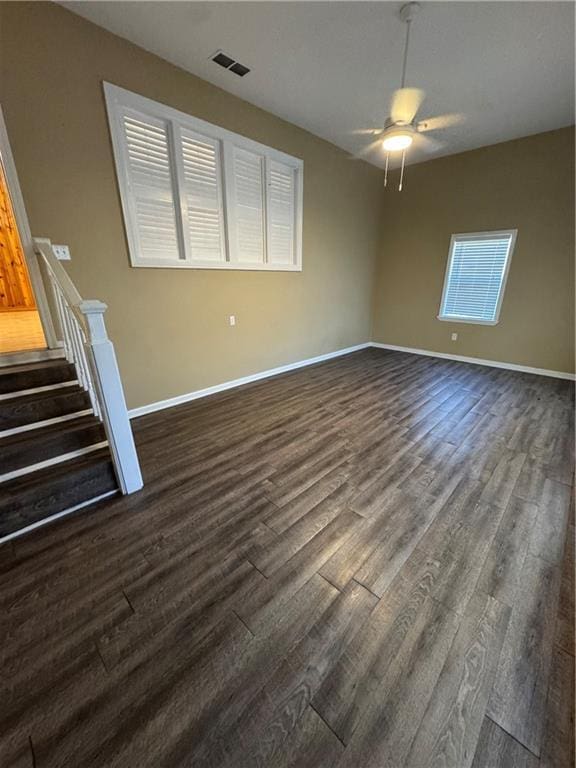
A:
[224,227]
[479,302]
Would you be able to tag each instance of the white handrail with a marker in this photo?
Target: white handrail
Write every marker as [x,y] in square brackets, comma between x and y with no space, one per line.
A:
[88,348]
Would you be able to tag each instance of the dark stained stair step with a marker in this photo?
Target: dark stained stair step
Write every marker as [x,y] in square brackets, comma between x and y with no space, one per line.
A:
[34,497]
[16,378]
[33,446]
[28,409]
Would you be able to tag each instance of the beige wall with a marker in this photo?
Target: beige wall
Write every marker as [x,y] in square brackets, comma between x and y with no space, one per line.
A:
[369,256]
[527,184]
[170,326]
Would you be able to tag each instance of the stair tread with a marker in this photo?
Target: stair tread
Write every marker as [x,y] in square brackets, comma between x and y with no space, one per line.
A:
[33,409]
[38,496]
[24,451]
[24,376]
[50,475]
[48,394]
[33,367]
[31,356]
[32,436]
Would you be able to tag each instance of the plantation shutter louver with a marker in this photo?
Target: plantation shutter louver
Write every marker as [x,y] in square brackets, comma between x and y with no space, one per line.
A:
[475,277]
[281,223]
[247,196]
[150,184]
[202,193]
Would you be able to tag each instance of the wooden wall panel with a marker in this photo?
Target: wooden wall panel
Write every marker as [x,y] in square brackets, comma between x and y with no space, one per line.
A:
[15,288]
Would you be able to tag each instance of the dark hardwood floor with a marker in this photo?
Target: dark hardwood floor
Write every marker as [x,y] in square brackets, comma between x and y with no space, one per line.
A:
[368,563]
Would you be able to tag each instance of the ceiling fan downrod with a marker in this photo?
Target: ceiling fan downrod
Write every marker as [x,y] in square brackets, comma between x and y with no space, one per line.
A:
[407,13]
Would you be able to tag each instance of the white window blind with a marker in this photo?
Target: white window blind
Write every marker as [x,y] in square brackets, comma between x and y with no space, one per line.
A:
[281,222]
[476,276]
[150,186]
[196,195]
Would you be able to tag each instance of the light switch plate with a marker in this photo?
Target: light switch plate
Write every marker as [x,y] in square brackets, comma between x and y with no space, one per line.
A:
[62,252]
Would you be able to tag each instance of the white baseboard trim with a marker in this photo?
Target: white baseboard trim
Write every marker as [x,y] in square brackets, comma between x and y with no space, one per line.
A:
[478,361]
[57,516]
[197,394]
[186,398]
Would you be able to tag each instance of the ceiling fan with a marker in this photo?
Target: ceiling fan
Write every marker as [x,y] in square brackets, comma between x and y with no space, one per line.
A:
[401,128]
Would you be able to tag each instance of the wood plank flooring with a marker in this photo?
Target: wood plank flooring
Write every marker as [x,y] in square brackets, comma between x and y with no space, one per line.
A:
[20,330]
[365,563]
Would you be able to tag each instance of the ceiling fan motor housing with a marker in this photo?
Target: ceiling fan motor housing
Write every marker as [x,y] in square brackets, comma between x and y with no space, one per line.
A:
[408,11]
[397,138]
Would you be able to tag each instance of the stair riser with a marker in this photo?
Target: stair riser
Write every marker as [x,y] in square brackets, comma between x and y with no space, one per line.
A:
[36,377]
[22,411]
[35,502]
[30,357]
[45,447]
[4,538]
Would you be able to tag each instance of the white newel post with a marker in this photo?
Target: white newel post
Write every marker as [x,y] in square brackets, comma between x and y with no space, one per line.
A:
[114,412]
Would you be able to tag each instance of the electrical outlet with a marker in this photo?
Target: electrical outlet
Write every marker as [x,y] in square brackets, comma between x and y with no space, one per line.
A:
[454,337]
[62,252]
[232,319]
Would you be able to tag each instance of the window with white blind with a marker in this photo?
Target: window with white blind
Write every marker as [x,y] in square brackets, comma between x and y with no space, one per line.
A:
[478,265]
[196,195]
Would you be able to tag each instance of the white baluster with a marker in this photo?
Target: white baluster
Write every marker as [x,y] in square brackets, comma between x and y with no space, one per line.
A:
[81,368]
[62,319]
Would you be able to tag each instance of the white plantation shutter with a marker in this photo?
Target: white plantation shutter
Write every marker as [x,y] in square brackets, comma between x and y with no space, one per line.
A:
[202,196]
[150,182]
[475,277]
[246,206]
[281,214]
[198,196]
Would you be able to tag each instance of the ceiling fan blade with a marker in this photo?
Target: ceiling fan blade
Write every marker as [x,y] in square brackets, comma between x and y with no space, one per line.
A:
[405,104]
[427,143]
[365,151]
[367,131]
[440,121]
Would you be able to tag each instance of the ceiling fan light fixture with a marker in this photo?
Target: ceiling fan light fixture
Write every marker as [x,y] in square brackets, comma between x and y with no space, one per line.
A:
[396,142]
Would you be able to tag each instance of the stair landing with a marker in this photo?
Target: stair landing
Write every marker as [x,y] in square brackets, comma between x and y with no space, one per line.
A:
[21,329]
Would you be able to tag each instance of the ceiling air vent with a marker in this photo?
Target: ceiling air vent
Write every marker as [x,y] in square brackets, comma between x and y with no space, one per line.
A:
[228,62]
[239,69]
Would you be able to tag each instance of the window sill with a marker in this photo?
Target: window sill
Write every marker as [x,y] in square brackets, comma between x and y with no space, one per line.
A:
[467,320]
[233,266]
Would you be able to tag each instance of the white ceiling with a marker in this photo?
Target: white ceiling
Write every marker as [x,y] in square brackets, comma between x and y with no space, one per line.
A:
[331,67]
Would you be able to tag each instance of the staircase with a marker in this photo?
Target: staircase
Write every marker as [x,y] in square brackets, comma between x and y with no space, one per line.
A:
[54,455]
[65,434]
